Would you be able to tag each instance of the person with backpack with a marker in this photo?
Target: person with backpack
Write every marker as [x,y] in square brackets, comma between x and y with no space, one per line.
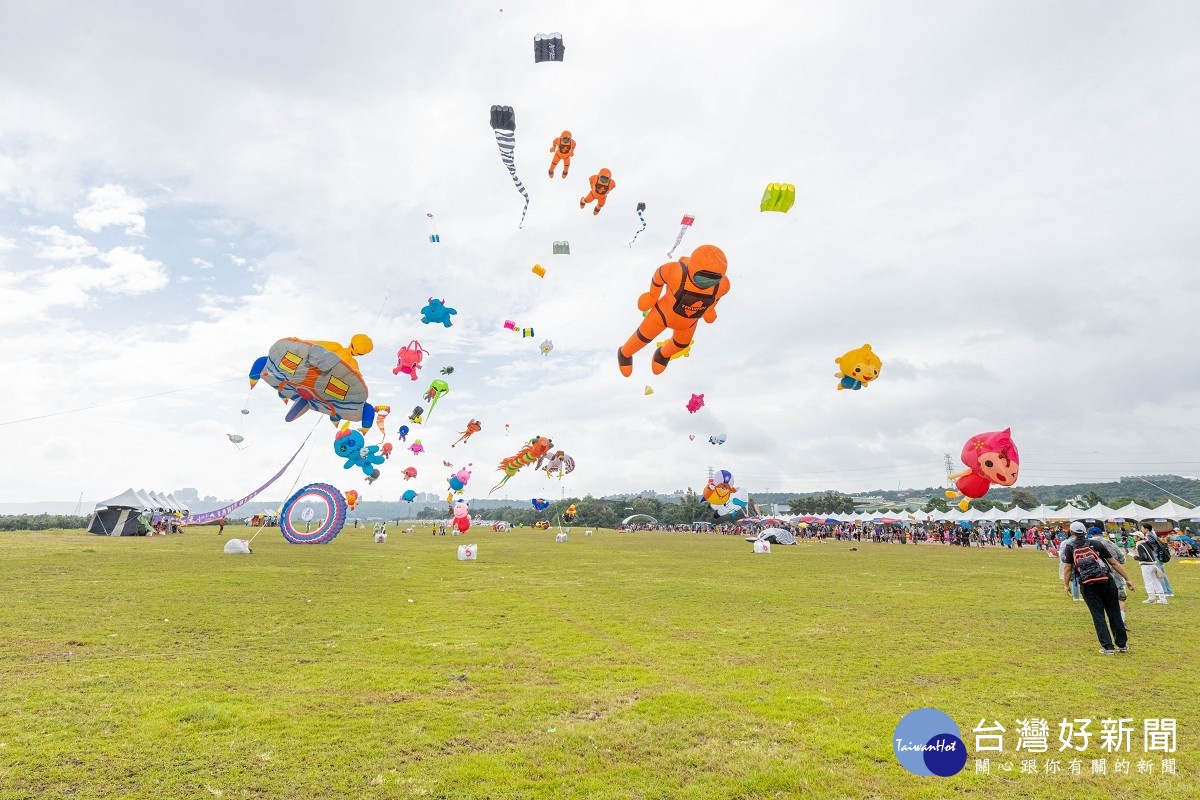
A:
[1107,550]
[1147,555]
[1080,557]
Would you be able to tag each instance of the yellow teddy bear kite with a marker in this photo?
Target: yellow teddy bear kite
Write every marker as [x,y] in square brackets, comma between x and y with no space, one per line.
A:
[858,367]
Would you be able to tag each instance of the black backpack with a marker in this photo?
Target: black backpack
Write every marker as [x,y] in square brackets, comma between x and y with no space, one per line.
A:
[1090,567]
[1164,552]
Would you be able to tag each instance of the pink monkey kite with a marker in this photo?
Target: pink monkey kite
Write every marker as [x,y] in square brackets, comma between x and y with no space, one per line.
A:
[990,457]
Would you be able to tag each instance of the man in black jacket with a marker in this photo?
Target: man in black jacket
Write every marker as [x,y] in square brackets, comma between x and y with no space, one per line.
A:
[1099,594]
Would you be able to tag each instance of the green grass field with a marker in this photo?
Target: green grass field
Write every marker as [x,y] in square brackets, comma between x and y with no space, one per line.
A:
[613,666]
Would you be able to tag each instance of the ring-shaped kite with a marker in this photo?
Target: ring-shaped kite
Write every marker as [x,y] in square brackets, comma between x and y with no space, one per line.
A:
[335,515]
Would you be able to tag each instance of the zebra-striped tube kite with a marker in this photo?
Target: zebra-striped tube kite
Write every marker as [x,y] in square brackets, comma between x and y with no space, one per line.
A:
[684,224]
[640,208]
[504,125]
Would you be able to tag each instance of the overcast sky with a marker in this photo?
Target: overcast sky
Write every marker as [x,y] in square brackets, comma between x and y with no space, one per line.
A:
[999,197]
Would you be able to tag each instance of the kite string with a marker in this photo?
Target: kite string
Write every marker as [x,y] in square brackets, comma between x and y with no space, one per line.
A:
[116,402]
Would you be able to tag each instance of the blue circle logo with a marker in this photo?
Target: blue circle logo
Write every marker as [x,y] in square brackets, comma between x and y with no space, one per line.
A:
[927,742]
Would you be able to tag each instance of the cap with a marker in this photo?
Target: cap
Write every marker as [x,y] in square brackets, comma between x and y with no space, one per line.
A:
[1094,531]
[1078,527]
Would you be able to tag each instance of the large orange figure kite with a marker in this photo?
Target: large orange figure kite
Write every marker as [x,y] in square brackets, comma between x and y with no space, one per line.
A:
[681,294]
[602,184]
[563,148]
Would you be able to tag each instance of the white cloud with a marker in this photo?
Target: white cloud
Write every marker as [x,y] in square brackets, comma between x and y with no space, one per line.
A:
[59,245]
[202,264]
[111,205]
[7,244]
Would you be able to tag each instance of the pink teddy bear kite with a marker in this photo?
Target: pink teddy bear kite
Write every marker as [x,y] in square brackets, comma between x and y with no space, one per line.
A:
[991,458]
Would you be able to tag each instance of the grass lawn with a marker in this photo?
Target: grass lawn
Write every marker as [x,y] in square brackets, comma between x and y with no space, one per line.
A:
[613,666]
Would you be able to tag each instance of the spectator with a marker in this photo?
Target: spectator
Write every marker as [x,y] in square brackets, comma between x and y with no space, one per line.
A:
[1147,556]
[1098,588]
[1163,555]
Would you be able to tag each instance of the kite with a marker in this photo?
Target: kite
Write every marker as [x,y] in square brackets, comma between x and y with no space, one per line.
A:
[640,208]
[446,463]
[533,450]
[722,495]
[404,432]
[318,375]
[548,47]
[778,197]
[381,415]
[601,184]
[408,496]
[350,445]
[539,270]
[558,462]
[415,417]
[526,333]
[546,347]
[438,389]
[504,125]
[408,358]
[695,404]
[409,473]
[417,448]
[332,518]
[681,294]
[351,499]
[684,353]
[386,449]
[462,516]
[684,224]
[509,325]
[540,504]
[990,458]
[434,238]
[649,391]
[436,311]
[473,427]
[447,370]
[857,368]
[458,481]
[563,148]
[560,248]
[569,514]
[717,438]
[237,440]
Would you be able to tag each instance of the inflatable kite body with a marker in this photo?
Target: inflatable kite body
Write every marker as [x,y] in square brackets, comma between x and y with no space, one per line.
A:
[416,416]
[778,197]
[560,248]
[408,358]
[403,433]
[408,496]
[722,495]
[462,516]
[990,458]
[473,427]
[695,403]
[681,294]
[717,438]
[409,473]
[857,368]
[417,448]
[350,445]
[539,270]
[557,465]
[381,415]
[438,389]
[322,376]
[385,449]
[331,518]
[640,208]
[458,481]
[434,238]
[602,185]
[540,503]
[684,225]
[548,47]
[569,514]
[447,370]
[563,148]
[545,347]
[504,125]
[436,311]
[533,450]
[351,499]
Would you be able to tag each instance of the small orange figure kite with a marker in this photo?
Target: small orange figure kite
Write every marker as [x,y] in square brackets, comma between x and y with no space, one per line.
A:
[681,294]
[473,427]
[563,148]
[601,183]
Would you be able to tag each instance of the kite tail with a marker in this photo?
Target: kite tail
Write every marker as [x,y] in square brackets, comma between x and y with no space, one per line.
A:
[643,219]
[506,141]
[503,481]
[678,239]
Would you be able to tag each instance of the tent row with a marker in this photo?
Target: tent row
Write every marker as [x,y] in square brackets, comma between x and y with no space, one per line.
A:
[144,502]
[1167,512]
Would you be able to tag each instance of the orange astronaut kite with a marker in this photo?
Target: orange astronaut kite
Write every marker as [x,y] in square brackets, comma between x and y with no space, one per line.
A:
[602,184]
[473,427]
[563,148]
[681,294]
